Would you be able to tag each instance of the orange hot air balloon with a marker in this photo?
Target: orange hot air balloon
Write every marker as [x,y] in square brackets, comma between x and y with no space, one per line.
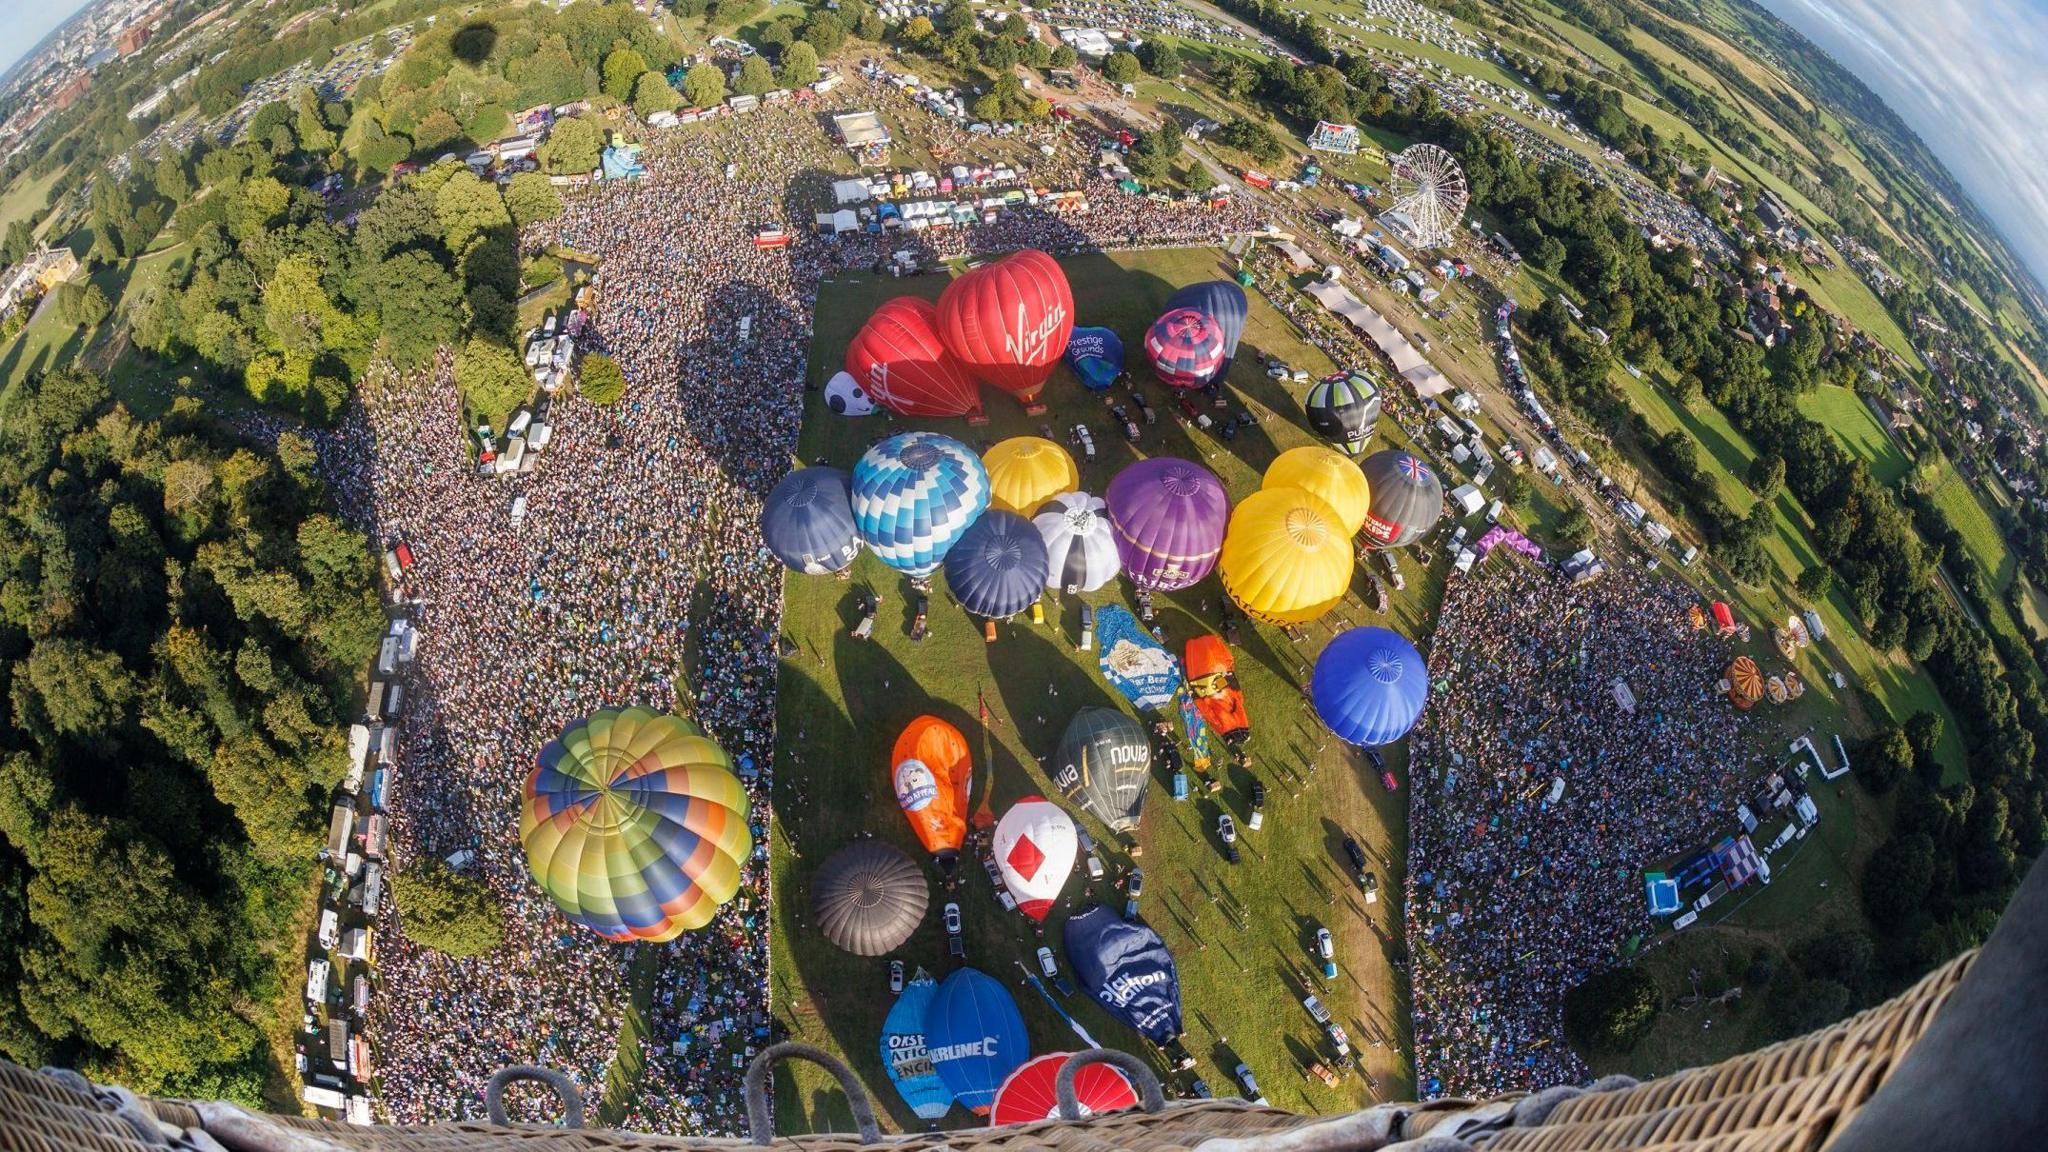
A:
[1008,322]
[933,778]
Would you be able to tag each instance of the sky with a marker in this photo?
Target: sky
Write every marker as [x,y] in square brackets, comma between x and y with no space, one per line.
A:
[1971,77]
[24,23]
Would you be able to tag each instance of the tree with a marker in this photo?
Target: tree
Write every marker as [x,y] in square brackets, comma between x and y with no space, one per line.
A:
[1884,760]
[84,692]
[1120,68]
[1767,476]
[1923,732]
[825,33]
[1897,880]
[1575,527]
[83,304]
[704,85]
[574,143]
[442,909]
[919,32]
[1611,1011]
[1064,56]
[1161,59]
[1251,138]
[1235,78]
[756,78]
[651,94]
[600,380]
[622,69]
[310,124]
[467,206]
[531,199]
[799,66]
[421,305]
[492,379]
[1815,582]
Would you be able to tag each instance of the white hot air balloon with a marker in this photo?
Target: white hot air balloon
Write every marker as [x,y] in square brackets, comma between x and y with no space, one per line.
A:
[1035,848]
[844,395]
[1080,545]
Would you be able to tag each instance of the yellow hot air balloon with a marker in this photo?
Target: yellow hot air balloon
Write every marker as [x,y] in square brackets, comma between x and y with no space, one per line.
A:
[1026,471]
[1328,474]
[1286,558]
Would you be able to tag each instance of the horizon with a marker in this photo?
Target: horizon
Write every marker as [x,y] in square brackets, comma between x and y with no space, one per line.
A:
[25,24]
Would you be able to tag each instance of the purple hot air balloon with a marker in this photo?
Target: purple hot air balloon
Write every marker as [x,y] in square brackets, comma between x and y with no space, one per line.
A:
[1168,516]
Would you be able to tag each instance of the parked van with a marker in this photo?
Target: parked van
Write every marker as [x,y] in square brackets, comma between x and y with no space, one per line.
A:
[1494,510]
[518,510]
[387,656]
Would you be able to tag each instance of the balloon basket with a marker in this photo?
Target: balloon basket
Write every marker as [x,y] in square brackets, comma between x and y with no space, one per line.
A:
[1034,409]
[978,419]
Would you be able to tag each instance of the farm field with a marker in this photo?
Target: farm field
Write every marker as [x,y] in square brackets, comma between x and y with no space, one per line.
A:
[1856,428]
[1241,935]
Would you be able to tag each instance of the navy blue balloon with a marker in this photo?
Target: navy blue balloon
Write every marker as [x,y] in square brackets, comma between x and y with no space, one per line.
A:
[1223,302]
[998,566]
[1096,355]
[1369,686]
[1126,967]
[975,1037]
[807,521]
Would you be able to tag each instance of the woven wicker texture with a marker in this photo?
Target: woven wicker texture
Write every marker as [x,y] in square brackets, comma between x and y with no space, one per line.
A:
[1789,1097]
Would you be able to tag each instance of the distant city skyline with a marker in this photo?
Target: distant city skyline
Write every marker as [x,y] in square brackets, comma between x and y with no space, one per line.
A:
[1971,77]
[24,23]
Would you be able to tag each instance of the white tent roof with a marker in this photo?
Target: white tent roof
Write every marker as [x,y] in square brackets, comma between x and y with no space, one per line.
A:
[1427,380]
[850,192]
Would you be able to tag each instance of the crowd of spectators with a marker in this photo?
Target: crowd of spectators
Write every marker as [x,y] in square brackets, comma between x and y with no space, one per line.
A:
[1514,898]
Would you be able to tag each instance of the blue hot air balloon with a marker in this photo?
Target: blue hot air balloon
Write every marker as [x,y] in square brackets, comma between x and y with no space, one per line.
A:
[1096,355]
[975,1037]
[997,569]
[905,1055]
[914,494]
[1126,967]
[1369,686]
[807,521]
[1221,301]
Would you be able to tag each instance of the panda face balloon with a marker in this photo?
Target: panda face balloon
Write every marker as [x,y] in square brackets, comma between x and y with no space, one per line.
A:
[844,395]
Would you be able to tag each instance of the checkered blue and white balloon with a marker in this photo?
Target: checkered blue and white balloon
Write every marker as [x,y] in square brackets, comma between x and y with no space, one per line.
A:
[914,494]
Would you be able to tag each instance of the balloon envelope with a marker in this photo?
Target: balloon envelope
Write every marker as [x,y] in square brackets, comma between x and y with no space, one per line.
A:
[807,521]
[1035,847]
[1080,548]
[1185,347]
[998,567]
[845,396]
[1344,409]
[1329,474]
[975,1037]
[1212,680]
[905,1055]
[1104,762]
[898,357]
[1026,471]
[1221,301]
[914,495]
[1126,967]
[634,825]
[1169,517]
[933,779]
[1008,322]
[1031,1093]
[1407,498]
[1369,686]
[1286,560]
[1096,355]
[868,897]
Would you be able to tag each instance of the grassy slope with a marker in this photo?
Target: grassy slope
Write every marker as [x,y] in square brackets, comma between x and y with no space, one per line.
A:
[25,196]
[1845,414]
[1243,982]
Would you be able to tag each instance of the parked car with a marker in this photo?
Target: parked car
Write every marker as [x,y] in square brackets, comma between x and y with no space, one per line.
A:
[1379,765]
[1201,1089]
[1227,829]
[1250,1085]
[952,915]
[995,877]
[1356,855]
[1257,820]
[1047,964]
[1132,891]
[1094,869]
[1372,888]
[896,977]
[1326,946]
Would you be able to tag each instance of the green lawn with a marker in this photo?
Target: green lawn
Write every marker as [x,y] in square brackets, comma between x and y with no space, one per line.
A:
[1241,934]
[25,196]
[1856,428]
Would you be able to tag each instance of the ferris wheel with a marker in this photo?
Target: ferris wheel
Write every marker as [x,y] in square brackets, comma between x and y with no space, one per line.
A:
[1429,195]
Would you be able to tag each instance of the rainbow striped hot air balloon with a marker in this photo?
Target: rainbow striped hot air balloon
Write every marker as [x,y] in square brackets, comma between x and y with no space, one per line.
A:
[914,495]
[634,824]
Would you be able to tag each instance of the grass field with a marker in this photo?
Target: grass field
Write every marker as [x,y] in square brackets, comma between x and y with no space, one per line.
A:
[25,197]
[1856,428]
[1241,934]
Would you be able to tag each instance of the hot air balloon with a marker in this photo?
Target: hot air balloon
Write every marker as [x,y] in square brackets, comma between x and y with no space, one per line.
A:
[1126,967]
[1008,322]
[933,778]
[914,494]
[1286,559]
[1369,686]
[1104,762]
[868,897]
[1344,408]
[634,825]
[1080,548]
[807,521]
[975,1037]
[1026,471]
[1097,356]
[1035,847]
[1407,498]
[1221,301]
[1169,517]
[998,568]
[898,357]
[1329,474]
[1031,1092]
[845,396]
[1185,347]
[905,1056]
[1212,678]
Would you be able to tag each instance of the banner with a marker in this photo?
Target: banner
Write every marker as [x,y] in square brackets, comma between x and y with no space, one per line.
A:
[904,1055]
[1134,663]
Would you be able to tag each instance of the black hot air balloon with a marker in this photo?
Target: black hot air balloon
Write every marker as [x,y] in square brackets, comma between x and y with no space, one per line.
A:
[869,897]
[1343,408]
[807,521]
[1105,762]
[998,567]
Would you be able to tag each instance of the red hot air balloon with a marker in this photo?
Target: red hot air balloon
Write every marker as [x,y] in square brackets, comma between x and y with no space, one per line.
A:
[1008,322]
[898,357]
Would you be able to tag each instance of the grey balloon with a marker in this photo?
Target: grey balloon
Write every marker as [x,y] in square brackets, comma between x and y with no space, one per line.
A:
[869,897]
